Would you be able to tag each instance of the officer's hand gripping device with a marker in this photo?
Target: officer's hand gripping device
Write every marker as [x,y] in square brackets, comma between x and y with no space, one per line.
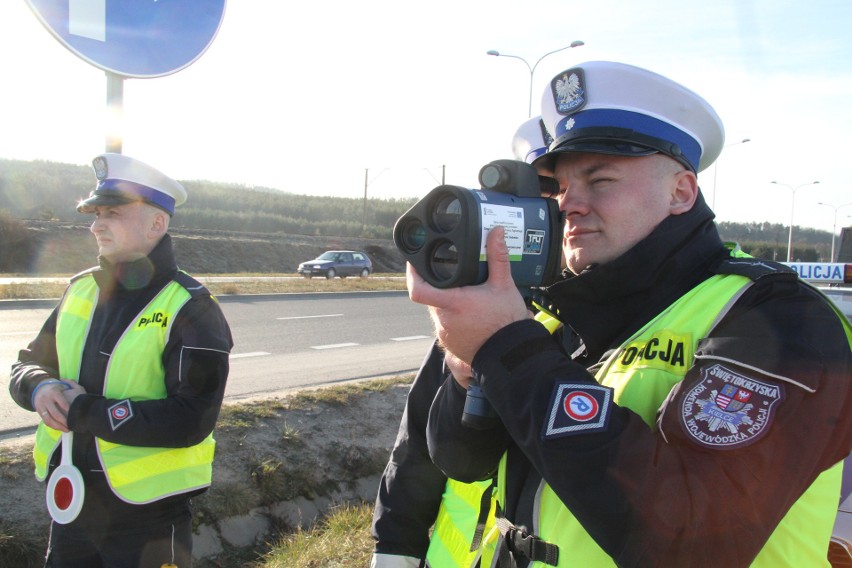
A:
[443,237]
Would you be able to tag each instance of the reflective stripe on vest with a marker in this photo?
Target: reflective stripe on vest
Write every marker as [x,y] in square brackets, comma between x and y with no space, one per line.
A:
[135,372]
[456,523]
[658,357]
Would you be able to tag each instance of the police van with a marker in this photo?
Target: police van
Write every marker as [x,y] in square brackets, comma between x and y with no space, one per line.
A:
[832,278]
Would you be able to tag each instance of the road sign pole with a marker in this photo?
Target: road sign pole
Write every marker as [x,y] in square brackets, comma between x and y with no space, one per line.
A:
[115,112]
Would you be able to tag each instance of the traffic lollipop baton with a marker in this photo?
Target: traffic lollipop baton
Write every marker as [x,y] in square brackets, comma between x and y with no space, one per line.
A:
[65,489]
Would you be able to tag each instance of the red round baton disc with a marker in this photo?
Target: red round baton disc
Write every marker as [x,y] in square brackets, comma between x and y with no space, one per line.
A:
[63,493]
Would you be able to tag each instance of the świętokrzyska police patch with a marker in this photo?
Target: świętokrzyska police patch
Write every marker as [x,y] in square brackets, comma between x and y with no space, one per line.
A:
[727,410]
[119,413]
[577,408]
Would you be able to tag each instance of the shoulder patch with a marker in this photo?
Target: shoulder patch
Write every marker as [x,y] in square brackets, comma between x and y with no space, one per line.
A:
[754,268]
[728,410]
[577,408]
[119,413]
[193,286]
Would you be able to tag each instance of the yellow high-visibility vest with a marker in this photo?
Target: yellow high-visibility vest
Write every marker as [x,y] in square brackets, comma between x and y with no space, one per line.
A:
[135,372]
[642,384]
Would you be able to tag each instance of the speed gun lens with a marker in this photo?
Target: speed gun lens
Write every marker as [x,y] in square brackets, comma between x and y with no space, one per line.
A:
[444,261]
[446,213]
[413,235]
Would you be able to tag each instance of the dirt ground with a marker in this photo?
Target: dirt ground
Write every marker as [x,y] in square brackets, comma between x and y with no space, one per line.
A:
[280,461]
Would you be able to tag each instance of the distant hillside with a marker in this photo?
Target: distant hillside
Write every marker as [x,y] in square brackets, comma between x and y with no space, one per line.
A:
[49,190]
[234,228]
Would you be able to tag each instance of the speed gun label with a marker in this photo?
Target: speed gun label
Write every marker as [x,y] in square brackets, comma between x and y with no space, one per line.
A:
[829,273]
[512,221]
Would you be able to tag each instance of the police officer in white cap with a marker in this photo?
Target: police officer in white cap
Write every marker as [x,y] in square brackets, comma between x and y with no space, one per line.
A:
[412,489]
[133,362]
[704,420]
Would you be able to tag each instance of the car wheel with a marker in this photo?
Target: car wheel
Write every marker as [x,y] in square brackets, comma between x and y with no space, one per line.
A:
[330,274]
[365,273]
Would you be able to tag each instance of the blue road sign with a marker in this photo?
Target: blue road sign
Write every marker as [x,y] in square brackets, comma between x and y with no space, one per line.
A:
[133,38]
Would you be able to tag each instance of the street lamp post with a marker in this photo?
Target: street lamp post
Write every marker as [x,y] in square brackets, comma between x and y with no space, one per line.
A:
[792,208]
[442,181]
[716,169]
[494,52]
[834,226]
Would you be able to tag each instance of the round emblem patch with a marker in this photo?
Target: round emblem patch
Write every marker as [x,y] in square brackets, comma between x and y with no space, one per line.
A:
[728,410]
[580,406]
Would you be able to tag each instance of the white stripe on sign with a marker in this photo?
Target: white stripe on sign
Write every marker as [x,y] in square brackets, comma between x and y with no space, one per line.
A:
[87,18]
[309,317]
[250,354]
[334,346]
[410,338]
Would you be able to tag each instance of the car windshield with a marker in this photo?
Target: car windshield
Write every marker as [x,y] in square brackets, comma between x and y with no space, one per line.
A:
[328,256]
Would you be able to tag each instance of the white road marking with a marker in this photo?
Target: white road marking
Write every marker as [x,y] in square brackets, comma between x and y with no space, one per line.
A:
[250,354]
[334,346]
[410,338]
[309,317]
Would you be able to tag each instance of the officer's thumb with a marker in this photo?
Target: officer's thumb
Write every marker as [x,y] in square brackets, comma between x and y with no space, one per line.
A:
[497,254]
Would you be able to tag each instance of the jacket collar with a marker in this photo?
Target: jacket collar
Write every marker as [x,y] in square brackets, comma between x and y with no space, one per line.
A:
[606,304]
[159,265]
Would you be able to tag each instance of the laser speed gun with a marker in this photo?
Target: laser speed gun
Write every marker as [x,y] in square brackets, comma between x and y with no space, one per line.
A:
[443,234]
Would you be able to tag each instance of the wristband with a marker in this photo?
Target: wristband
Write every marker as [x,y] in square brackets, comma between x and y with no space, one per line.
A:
[43,383]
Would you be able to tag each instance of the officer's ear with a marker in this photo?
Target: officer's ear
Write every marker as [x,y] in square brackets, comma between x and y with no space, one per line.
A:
[684,191]
[159,223]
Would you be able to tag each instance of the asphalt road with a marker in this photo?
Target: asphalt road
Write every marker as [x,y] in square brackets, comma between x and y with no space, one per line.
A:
[281,342]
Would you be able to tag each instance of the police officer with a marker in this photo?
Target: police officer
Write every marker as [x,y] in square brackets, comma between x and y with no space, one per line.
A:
[705,418]
[410,493]
[133,362]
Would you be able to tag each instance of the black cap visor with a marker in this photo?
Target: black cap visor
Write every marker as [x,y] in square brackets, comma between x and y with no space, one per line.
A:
[616,142]
[105,199]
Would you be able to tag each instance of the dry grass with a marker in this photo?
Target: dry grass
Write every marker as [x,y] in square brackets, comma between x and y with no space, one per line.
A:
[18,548]
[31,291]
[341,540]
[236,284]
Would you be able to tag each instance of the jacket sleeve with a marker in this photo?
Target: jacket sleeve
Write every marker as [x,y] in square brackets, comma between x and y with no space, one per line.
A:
[666,494]
[411,486]
[35,364]
[196,368]
[461,452]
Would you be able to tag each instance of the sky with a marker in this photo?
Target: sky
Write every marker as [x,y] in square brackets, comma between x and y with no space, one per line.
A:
[391,97]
